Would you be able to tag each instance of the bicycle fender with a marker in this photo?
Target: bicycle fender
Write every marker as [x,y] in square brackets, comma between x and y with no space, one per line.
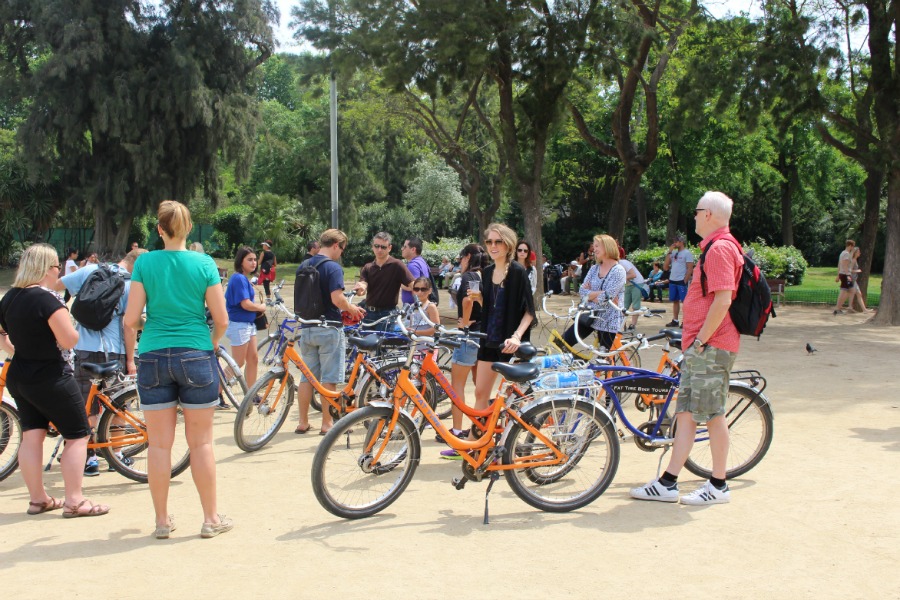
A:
[114,399]
[755,392]
[390,405]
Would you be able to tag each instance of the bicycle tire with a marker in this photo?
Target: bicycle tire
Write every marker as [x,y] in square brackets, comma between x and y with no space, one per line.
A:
[231,379]
[345,482]
[381,389]
[130,459]
[750,432]
[588,438]
[256,422]
[10,439]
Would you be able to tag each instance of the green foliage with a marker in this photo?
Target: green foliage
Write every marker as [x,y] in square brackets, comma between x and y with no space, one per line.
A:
[784,262]
[231,223]
[432,252]
[434,196]
[643,258]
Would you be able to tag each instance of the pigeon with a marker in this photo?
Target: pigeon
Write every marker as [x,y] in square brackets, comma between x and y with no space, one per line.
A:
[810,348]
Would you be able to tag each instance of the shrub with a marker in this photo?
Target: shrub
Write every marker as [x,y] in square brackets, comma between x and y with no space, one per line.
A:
[449,247]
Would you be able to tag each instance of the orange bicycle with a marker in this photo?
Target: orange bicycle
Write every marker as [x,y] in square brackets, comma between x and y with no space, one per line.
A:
[558,450]
[267,403]
[121,433]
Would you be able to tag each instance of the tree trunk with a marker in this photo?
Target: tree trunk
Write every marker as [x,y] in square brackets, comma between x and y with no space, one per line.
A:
[788,170]
[889,307]
[531,209]
[618,212]
[641,206]
[110,238]
[672,221]
[874,184]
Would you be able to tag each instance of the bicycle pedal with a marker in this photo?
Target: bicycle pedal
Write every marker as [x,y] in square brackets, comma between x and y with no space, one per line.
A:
[459,482]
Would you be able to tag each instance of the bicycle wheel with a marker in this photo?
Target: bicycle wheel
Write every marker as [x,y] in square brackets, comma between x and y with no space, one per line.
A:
[231,379]
[348,480]
[10,439]
[264,410]
[750,430]
[381,388]
[126,431]
[581,431]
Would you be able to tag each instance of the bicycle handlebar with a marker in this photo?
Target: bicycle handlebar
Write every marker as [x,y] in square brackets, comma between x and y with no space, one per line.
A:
[639,342]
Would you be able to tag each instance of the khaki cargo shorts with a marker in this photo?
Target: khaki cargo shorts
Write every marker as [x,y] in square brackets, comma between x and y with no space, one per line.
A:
[704,382]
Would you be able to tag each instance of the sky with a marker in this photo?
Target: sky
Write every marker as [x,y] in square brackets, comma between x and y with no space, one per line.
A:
[286,43]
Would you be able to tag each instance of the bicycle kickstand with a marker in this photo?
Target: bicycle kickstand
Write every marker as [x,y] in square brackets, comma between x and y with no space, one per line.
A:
[55,451]
[494,477]
[659,465]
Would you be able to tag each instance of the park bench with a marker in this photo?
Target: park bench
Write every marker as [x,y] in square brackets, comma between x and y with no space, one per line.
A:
[777,288]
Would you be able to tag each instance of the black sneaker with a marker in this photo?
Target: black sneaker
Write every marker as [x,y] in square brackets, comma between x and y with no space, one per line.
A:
[672,323]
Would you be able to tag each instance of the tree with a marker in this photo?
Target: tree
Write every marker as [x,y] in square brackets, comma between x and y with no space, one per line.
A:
[434,196]
[133,103]
[529,52]
[644,39]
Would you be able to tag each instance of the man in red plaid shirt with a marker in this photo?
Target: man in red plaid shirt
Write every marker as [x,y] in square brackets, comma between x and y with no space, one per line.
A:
[710,342]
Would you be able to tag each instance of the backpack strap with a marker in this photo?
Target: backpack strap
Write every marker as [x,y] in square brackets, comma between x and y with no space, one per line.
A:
[724,236]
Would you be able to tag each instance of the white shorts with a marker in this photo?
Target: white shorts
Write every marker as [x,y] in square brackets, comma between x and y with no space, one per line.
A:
[239,333]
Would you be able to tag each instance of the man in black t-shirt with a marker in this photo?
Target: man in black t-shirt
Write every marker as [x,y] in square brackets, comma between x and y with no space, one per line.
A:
[381,281]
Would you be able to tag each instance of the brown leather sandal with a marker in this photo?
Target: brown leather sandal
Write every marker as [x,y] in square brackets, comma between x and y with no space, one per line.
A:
[95,510]
[37,508]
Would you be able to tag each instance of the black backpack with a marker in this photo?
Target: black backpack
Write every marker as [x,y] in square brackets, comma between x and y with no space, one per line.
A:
[97,300]
[308,298]
[752,306]
[433,296]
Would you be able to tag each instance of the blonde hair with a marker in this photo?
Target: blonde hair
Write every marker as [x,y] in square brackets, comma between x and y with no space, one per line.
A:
[196,247]
[330,237]
[175,219]
[509,237]
[34,264]
[610,247]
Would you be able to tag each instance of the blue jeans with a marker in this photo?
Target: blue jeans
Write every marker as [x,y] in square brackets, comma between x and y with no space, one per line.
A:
[170,376]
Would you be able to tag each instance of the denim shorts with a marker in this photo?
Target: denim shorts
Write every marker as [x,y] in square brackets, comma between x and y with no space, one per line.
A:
[239,333]
[466,355]
[323,351]
[677,292]
[169,376]
[703,389]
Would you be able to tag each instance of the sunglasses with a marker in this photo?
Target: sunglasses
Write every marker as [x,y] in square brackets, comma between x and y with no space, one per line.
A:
[54,267]
[697,210]
[492,242]
[522,250]
[420,289]
[380,246]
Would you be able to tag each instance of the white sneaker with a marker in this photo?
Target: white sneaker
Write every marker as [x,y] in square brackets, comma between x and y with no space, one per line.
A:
[654,490]
[707,494]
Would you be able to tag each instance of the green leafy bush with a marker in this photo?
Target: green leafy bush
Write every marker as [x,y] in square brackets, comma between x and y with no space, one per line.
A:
[449,247]
[231,222]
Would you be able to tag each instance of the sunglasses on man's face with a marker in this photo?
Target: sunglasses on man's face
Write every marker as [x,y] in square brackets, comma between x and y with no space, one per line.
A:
[379,246]
[420,289]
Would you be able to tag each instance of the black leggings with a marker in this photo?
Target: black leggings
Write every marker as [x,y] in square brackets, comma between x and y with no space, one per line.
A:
[54,399]
[266,287]
[584,330]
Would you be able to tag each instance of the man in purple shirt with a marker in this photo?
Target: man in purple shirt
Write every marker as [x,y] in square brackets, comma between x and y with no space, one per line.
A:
[412,254]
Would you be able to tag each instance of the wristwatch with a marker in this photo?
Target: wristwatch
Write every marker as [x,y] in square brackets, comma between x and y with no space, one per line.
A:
[699,345]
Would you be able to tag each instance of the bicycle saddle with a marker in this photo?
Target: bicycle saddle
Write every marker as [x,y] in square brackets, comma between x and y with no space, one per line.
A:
[674,337]
[102,369]
[369,343]
[519,372]
[526,352]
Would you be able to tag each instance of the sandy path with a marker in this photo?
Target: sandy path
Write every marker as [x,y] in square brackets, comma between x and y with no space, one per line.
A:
[817,518]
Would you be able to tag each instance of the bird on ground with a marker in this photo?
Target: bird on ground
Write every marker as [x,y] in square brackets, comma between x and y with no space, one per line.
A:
[810,348]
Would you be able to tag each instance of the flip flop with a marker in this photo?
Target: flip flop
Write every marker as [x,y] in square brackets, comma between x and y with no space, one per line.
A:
[37,508]
[95,510]
[323,431]
[301,431]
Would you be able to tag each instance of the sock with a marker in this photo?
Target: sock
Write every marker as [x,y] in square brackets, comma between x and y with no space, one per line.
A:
[719,484]
[668,480]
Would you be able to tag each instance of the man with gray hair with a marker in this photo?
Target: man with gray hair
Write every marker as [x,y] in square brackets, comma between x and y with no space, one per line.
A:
[680,264]
[711,343]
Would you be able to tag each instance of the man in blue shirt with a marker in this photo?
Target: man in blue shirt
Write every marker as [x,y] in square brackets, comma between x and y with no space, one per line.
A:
[680,264]
[113,342]
[322,348]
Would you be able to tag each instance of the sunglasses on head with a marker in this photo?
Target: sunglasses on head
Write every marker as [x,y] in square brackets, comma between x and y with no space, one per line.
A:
[420,289]
[379,246]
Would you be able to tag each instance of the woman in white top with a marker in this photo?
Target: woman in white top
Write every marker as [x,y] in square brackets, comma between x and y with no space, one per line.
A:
[633,284]
[523,257]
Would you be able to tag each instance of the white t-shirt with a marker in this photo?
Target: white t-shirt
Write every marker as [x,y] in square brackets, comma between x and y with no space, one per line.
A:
[71,267]
[628,265]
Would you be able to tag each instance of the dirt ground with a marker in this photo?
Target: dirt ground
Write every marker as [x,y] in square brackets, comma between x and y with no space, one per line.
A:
[818,518]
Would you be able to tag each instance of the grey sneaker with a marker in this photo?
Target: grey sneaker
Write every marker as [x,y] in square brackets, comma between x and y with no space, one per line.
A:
[707,494]
[210,530]
[163,531]
[654,490]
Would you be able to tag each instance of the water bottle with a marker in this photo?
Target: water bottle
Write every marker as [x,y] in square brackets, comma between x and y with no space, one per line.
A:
[566,379]
[552,360]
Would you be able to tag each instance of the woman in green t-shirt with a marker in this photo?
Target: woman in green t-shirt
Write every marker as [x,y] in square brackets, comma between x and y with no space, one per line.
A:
[177,364]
